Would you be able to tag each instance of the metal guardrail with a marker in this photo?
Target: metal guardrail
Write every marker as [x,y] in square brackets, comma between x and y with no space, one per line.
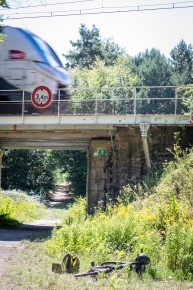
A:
[167,100]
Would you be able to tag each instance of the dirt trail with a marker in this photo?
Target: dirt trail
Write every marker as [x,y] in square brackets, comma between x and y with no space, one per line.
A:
[12,243]
[61,194]
[12,240]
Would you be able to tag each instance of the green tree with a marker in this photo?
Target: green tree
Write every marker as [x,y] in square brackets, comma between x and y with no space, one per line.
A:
[182,63]
[89,47]
[28,170]
[37,171]
[107,88]
[3,3]
[111,51]
[74,165]
[182,68]
[154,69]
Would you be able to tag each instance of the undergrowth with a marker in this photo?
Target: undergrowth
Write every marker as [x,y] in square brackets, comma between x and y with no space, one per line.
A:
[16,207]
[160,222]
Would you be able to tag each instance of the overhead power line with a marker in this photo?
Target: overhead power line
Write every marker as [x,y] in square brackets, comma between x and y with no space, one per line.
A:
[49,4]
[98,10]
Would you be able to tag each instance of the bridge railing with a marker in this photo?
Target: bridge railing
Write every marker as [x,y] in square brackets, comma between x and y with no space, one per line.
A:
[167,100]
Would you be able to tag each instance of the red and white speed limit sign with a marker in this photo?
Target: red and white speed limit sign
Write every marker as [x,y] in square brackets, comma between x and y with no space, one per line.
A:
[41,97]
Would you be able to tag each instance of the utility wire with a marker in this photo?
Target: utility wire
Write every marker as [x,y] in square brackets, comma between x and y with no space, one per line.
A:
[101,10]
[84,1]
[50,4]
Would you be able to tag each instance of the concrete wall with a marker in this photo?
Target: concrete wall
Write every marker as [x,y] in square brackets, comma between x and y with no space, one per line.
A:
[97,172]
[130,151]
[125,160]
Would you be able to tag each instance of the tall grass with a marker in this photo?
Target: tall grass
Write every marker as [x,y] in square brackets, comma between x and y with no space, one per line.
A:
[16,207]
[160,223]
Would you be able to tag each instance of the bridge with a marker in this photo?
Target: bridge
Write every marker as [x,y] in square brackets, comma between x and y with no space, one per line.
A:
[114,125]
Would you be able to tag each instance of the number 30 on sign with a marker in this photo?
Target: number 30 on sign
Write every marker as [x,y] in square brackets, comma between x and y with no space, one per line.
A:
[41,97]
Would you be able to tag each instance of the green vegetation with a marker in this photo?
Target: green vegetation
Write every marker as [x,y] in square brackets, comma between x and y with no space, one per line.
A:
[158,219]
[159,222]
[110,76]
[91,47]
[72,167]
[16,207]
[38,171]
[33,271]
[3,3]
[28,170]
[182,63]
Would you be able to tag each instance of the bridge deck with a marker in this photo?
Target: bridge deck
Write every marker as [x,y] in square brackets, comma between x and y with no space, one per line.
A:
[95,120]
[73,123]
[73,132]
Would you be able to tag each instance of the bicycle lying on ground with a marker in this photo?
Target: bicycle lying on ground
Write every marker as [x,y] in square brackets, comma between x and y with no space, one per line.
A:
[138,265]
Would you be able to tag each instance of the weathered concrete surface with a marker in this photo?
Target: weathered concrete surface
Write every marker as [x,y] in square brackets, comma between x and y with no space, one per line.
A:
[161,140]
[97,174]
[125,160]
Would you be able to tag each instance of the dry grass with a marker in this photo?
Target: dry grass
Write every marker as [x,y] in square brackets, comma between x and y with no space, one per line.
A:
[30,268]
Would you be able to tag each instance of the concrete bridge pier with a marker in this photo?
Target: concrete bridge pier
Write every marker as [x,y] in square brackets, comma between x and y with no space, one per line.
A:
[98,172]
[116,162]
[113,163]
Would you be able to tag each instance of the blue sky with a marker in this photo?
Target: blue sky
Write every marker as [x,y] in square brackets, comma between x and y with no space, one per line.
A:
[135,31]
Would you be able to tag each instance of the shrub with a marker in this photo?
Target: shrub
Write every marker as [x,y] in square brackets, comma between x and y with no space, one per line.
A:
[159,222]
[17,207]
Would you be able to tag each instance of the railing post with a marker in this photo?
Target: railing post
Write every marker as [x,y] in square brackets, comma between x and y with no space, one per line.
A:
[176,101]
[59,106]
[112,101]
[23,106]
[96,107]
[135,103]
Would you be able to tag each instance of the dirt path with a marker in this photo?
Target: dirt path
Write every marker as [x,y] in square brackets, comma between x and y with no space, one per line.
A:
[13,240]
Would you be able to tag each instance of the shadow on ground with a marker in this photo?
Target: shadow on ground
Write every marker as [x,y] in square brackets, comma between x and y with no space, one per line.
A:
[40,229]
[26,232]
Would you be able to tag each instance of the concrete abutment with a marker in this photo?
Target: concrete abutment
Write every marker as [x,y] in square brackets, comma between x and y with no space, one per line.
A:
[133,152]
